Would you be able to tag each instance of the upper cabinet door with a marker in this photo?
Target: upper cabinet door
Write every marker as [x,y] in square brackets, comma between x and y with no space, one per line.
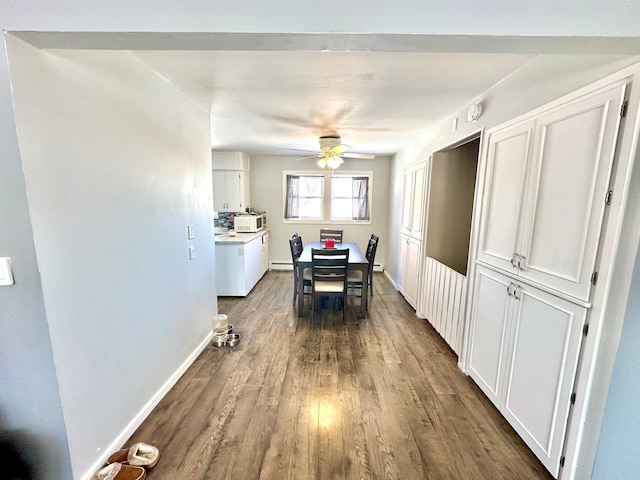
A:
[414,199]
[407,209]
[418,201]
[219,192]
[507,158]
[234,188]
[565,194]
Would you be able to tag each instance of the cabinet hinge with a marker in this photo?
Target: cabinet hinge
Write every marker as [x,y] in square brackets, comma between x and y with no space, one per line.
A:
[562,461]
[608,197]
[585,329]
[623,109]
[573,398]
[594,278]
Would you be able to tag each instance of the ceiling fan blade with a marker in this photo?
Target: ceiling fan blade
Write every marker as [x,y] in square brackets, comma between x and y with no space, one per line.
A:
[366,156]
[310,156]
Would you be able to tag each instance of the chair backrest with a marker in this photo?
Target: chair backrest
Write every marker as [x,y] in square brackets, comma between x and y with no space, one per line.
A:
[330,265]
[295,244]
[372,247]
[328,233]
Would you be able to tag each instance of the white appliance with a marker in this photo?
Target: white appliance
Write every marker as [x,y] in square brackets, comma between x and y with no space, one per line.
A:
[248,223]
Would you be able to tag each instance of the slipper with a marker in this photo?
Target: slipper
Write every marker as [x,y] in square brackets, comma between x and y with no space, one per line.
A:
[139,454]
[118,471]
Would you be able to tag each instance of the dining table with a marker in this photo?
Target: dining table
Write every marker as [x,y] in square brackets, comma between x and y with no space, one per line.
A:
[357,261]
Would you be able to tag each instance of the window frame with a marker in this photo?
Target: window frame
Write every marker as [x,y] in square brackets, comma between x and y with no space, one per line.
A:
[327,196]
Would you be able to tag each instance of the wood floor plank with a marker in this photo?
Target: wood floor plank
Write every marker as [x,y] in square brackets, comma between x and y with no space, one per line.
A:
[378,398]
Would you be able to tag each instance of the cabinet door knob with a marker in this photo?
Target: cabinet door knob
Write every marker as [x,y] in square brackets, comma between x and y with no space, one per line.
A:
[514,262]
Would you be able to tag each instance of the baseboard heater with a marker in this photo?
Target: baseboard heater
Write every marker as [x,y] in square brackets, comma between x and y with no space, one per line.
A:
[275,265]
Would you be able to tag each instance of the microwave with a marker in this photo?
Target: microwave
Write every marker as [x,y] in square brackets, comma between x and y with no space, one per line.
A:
[248,223]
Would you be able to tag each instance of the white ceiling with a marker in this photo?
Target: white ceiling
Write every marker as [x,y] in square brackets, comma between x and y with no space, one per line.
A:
[378,102]
[276,93]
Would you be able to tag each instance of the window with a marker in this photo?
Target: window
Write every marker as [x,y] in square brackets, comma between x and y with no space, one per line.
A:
[304,194]
[347,199]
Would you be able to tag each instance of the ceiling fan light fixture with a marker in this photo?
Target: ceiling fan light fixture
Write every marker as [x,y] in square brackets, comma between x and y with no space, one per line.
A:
[322,162]
[334,162]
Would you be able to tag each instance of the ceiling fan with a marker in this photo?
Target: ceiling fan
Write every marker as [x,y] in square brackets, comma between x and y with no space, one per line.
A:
[332,151]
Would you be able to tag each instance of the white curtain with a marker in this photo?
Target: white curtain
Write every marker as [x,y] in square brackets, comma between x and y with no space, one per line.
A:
[292,203]
[360,195]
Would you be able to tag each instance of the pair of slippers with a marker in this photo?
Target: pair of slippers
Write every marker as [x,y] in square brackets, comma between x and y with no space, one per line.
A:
[129,463]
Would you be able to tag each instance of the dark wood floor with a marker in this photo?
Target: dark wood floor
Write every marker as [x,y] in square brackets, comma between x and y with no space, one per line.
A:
[380,397]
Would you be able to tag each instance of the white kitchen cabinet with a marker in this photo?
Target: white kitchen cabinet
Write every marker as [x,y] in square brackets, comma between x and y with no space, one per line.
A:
[265,253]
[524,349]
[414,197]
[230,161]
[408,269]
[239,265]
[230,190]
[545,189]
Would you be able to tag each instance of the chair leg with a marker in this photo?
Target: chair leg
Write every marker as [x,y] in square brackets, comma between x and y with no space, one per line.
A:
[295,292]
[344,310]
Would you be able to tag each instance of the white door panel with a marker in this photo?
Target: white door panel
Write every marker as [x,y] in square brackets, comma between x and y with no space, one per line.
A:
[403,251]
[568,180]
[545,342]
[219,192]
[417,202]
[489,325]
[506,169]
[411,275]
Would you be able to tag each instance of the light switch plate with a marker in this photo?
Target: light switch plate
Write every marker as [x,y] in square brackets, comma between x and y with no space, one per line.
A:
[190,232]
[192,252]
[6,275]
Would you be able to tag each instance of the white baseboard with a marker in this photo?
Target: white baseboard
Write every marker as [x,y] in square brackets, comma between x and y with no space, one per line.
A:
[280,266]
[146,409]
[395,285]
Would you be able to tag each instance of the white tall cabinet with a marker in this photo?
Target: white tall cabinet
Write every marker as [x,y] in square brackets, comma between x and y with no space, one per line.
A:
[524,355]
[410,247]
[545,194]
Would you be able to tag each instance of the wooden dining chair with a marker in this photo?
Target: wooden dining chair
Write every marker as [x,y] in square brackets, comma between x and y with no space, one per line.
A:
[354,277]
[329,276]
[328,233]
[296,246]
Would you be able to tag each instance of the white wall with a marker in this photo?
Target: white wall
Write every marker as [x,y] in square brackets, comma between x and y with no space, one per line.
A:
[30,410]
[117,164]
[617,457]
[266,194]
[593,17]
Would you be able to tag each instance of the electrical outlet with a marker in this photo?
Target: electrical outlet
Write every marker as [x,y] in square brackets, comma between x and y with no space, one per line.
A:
[190,232]
[192,252]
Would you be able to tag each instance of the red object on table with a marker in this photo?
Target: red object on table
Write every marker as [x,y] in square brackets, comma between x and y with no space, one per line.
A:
[329,243]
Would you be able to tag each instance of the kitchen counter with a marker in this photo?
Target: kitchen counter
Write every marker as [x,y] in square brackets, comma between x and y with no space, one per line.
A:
[239,238]
[241,261]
